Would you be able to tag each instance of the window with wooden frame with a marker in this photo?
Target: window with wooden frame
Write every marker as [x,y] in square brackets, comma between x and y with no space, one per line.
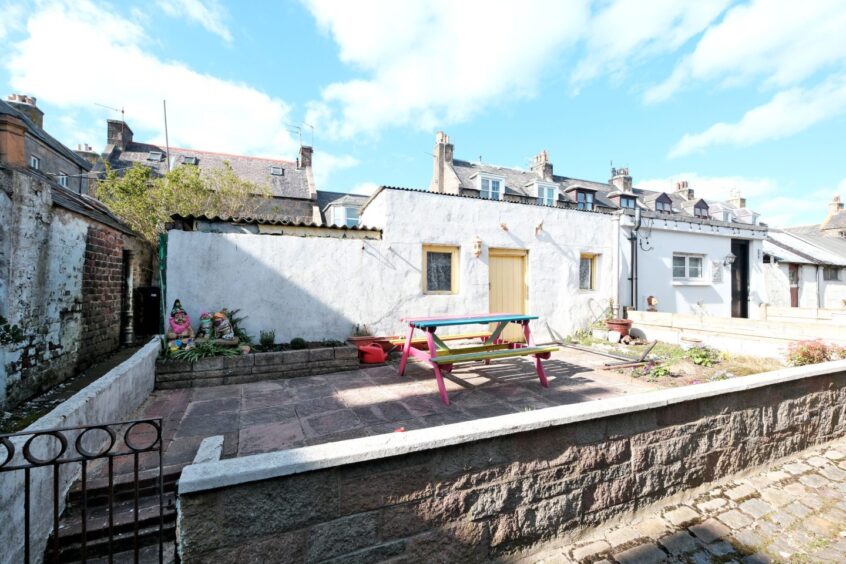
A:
[584,200]
[587,271]
[831,273]
[627,202]
[440,269]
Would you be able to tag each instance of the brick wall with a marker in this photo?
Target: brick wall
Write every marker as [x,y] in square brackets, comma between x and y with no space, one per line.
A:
[461,499]
[103,293]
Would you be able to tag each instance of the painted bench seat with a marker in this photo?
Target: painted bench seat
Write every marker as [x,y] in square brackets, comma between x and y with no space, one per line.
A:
[493,354]
[458,337]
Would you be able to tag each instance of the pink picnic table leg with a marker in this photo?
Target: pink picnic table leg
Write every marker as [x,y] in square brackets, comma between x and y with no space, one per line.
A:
[538,366]
[433,352]
[405,350]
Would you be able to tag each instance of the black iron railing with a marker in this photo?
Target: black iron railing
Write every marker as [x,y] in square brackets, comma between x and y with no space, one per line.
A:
[96,448]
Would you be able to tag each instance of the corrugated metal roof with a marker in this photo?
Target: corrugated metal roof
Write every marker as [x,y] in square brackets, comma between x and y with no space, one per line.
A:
[268,221]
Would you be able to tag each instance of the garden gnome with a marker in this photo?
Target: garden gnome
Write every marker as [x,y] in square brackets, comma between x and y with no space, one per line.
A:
[205,331]
[179,326]
[222,327]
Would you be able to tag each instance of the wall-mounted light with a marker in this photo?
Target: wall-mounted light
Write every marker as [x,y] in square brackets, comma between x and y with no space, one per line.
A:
[477,247]
[729,260]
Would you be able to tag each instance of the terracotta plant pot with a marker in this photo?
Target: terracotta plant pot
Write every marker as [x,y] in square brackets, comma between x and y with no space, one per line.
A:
[620,325]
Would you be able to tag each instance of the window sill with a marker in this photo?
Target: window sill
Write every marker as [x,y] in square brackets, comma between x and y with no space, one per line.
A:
[691,283]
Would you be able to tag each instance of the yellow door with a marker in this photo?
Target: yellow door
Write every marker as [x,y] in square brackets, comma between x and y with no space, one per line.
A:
[508,287]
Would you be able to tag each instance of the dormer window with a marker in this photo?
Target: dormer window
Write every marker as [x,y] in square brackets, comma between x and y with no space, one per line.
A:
[34,162]
[547,194]
[490,188]
[627,202]
[584,200]
[663,204]
[277,171]
[700,210]
[155,156]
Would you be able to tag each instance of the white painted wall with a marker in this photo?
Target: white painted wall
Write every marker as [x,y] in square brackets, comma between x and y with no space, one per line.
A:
[777,282]
[814,292]
[110,399]
[321,288]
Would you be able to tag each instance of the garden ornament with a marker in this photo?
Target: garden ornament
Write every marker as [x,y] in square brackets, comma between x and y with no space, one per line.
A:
[222,327]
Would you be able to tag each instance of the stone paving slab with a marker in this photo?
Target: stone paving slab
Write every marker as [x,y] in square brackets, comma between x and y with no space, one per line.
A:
[282,414]
[793,511]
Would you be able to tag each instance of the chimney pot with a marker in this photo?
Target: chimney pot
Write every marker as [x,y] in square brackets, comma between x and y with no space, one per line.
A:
[621,179]
[542,166]
[27,105]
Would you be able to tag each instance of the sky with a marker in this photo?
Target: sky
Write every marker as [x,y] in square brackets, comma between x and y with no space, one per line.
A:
[747,96]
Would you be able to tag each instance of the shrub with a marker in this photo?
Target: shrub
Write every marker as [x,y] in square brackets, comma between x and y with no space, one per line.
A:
[298,343]
[266,339]
[204,350]
[703,356]
[801,353]
[659,371]
[331,343]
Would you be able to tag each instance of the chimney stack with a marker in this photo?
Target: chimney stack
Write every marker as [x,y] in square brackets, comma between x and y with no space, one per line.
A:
[542,166]
[305,156]
[443,158]
[621,179]
[835,206]
[26,105]
[85,151]
[684,191]
[736,199]
[118,134]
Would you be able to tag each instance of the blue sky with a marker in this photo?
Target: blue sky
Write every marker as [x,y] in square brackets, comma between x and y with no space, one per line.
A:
[727,95]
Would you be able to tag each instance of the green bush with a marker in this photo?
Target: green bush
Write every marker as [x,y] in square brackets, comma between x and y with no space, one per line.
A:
[332,343]
[266,340]
[801,353]
[703,356]
[298,343]
[204,350]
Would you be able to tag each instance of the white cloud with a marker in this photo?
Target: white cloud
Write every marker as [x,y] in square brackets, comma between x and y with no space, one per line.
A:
[326,165]
[430,61]
[717,188]
[781,41]
[203,110]
[632,30]
[787,113]
[365,188]
[209,14]
[11,16]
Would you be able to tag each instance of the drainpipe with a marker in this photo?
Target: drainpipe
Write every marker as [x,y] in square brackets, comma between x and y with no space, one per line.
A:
[819,289]
[633,240]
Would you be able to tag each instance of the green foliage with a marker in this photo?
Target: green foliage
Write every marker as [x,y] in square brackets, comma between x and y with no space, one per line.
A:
[298,343]
[332,343]
[236,321]
[703,356]
[9,334]
[146,201]
[266,338]
[204,350]
[801,353]
[659,371]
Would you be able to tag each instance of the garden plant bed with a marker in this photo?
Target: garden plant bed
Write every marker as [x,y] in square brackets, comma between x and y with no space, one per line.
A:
[254,366]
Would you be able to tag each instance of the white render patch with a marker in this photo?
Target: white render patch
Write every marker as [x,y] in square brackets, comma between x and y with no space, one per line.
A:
[234,471]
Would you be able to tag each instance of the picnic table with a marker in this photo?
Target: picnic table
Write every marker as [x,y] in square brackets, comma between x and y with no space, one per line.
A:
[442,357]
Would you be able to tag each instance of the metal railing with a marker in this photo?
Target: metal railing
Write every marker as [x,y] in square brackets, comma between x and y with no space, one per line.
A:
[95,448]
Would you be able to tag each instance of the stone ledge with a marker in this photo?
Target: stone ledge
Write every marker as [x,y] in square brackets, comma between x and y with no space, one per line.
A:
[276,464]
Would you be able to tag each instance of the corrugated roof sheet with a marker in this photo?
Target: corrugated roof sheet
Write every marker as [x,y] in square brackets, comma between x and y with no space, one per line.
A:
[268,221]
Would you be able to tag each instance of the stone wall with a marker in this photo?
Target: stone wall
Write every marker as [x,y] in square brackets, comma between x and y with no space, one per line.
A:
[254,367]
[500,486]
[102,301]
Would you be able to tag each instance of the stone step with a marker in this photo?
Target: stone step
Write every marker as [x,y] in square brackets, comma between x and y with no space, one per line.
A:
[97,490]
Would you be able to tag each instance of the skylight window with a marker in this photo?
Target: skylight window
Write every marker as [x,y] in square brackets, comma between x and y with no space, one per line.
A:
[155,156]
[277,171]
[190,161]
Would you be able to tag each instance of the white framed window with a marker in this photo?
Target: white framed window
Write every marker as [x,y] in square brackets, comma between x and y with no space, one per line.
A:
[547,194]
[584,200]
[62,179]
[627,203]
[345,216]
[34,162]
[491,188]
[663,207]
[688,267]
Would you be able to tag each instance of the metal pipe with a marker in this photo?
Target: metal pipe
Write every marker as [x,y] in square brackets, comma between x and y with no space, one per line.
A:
[633,267]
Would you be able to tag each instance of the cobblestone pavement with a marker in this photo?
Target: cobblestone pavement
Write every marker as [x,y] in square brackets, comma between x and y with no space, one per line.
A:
[794,511]
[288,413]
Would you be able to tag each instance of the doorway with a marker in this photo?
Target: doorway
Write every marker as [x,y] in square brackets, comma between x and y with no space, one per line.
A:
[740,278]
[793,279]
[508,288]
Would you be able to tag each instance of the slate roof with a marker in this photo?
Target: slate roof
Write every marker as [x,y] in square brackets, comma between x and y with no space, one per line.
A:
[836,221]
[43,136]
[326,199]
[88,207]
[831,249]
[292,183]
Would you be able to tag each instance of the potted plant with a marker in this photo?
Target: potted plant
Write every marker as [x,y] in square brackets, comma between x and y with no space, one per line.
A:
[618,324]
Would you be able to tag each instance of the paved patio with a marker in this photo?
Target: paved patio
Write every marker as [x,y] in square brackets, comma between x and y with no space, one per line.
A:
[282,414]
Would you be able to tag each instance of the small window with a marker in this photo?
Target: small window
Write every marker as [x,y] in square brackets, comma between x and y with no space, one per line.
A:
[587,272]
[491,188]
[687,267]
[546,195]
[62,179]
[584,200]
[34,162]
[155,156]
[440,268]
[831,273]
[627,203]
[277,171]
[345,216]
[194,161]
[663,207]
[701,212]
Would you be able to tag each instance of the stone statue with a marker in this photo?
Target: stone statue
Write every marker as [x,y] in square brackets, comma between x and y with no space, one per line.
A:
[222,327]
[205,331]
[179,324]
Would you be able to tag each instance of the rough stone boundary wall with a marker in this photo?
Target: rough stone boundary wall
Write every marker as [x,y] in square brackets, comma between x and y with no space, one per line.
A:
[494,487]
[218,371]
[766,338]
[109,399]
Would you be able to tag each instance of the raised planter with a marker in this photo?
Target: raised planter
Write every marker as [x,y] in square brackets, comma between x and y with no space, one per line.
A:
[253,367]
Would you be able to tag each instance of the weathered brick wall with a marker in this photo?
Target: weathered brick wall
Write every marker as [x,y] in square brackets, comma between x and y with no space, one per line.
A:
[490,498]
[103,292]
